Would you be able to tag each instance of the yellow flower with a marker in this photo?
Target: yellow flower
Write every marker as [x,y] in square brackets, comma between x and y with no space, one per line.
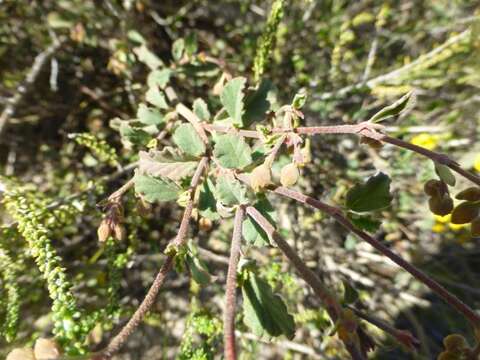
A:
[442,224]
[476,164]
[425,140]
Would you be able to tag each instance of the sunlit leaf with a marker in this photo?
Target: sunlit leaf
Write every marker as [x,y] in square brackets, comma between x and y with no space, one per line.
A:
[374,194]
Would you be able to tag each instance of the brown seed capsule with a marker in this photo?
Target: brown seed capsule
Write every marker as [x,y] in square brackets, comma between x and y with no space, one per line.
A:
[465,212]
[119,232]
[21,354]
[435,188]
[205,224]
[104,231]
[470,194]
[454,342]
[475,227]
[260,177]
[143,208]
[46,349]
[289,175]
[440,205]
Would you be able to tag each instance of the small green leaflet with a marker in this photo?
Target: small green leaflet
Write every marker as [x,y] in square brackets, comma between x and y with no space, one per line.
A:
[350,294]
[159,78]
[200,109]
[149,116]
[264,312]
[156,189]
[178,48]
[187,139]
[374,194]
[165,164]
[156,98]
[299,99]
[232,151]
[232,99]
[207,204]
[251,231]
[230,191]
[445,174]
[403,104]
[147,57]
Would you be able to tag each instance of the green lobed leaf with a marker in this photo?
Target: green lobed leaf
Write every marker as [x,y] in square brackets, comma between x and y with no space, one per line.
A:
[165,164]
[159,78]
[264,312]
[187,139]
[230,191]
[207,204]
[155,97]
[200,109]
[232,99]
[445,174]
[251,231]
[374,194]
[406,102]
[232,151]
[198,269]
[156,189]
[149,116]
[257,104]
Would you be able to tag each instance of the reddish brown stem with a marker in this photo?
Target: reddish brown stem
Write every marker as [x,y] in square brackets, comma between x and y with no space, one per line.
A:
[336,213]
[231,287]
[119,340]
[329,300]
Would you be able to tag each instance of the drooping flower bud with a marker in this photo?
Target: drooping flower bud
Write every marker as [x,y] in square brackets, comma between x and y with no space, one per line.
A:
[104,231]
[21,354]
[46,349]
[289,175]
[261,177]
[119,232]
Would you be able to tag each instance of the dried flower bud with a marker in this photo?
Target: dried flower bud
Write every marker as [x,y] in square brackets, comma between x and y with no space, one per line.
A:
[21,354]
[475,227]
[205,224]
[289,175]
[103,231]
[454,342]
[470,194]
[465,212]
[119,232]
[260,177]
[441,205]
[46,349]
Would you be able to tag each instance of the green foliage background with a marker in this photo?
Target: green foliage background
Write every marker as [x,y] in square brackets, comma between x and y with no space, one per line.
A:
[60,155]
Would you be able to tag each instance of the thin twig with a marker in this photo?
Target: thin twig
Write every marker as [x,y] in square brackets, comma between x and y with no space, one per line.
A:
[336,213]
[22,89]
[194,120]
[231,287]
[329,300]
[119,340]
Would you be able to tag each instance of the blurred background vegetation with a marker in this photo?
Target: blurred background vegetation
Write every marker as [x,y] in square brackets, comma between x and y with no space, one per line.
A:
[351,57]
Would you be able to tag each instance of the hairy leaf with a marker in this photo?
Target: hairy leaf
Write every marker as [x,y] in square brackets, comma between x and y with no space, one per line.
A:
[200,109]
[230,191]
[251,231]
[155,189]
[265,313]
[374,194]
[165,164]
[406,102]
[187,139]
[363,222]
[232,99]
[178,48]
[147,57]
[156,98]
[232,151]
[149,116]
[445,174]
[159,78]
[257,104]
[207,204]
[133,134]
